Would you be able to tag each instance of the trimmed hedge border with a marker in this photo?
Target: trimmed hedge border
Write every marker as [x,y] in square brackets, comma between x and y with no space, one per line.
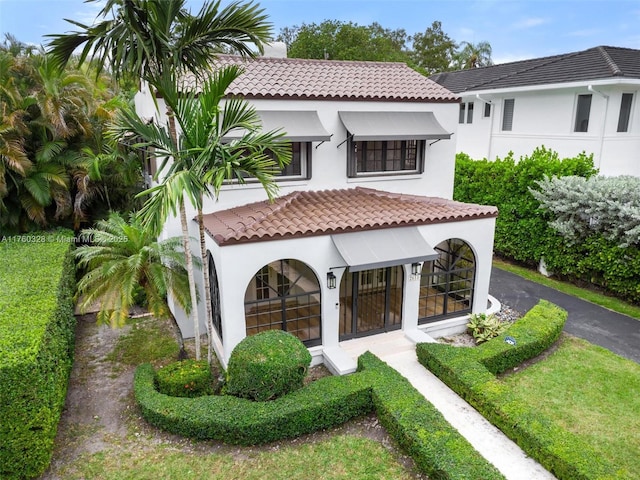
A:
[437,448]
[470,372]
[37,334]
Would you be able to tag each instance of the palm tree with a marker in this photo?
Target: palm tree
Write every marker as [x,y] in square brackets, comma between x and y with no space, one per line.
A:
[157,39]
[201,161]
[148,38]
[125,257]
[472,55]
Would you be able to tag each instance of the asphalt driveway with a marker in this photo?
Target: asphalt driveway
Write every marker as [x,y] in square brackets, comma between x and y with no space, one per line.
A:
[614,331]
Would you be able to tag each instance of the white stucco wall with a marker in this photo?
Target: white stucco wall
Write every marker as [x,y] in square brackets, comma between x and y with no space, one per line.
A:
[546,116]
[236,266]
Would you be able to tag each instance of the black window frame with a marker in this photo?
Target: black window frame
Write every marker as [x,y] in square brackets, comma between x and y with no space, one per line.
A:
[583,113]
[448,282]
[280,308]
[300,166]
[357,146]
[625,112]
[214,293]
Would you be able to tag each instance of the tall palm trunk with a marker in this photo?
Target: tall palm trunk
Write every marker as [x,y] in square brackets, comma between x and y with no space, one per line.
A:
[192,283]
[207,291]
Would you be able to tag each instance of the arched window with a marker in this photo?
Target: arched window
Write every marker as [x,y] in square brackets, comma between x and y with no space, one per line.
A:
[446,284]
[285,295]
[215,296]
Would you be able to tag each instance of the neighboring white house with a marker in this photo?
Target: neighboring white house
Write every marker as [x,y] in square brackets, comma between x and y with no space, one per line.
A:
[582,101]
[364,237]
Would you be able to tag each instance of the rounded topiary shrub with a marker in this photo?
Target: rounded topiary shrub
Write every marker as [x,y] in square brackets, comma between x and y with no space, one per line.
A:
[267,365]
[187,378]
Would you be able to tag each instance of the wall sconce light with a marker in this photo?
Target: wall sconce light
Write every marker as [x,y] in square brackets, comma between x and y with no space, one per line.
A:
[331,280]
[415,268]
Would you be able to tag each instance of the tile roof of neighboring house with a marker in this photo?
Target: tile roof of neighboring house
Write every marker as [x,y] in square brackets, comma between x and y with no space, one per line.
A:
[295,78]
[587,65]
[325,212]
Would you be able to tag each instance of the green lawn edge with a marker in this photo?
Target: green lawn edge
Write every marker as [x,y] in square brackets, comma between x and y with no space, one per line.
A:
[605,301]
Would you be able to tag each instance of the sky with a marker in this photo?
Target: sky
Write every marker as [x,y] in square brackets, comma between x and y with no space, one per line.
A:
[515,29]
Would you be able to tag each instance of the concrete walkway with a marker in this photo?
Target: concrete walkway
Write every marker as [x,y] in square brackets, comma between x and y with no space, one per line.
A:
[399,352]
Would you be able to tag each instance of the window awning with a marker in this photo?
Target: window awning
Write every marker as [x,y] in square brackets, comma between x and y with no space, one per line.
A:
[371,126]
[382,248]
[299,126]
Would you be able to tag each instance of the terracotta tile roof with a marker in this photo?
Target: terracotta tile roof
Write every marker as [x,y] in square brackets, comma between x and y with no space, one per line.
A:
[592,64]
[325,212]
[295,78]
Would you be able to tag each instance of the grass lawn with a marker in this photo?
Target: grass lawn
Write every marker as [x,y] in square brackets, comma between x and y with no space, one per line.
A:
[339,457]
[605,301]
[102,435]
[592,393]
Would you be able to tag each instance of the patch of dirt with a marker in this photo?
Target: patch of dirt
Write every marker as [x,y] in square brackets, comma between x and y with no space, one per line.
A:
[101,414]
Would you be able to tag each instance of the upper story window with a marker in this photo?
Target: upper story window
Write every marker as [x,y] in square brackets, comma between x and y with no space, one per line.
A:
[388,143]
[487,110]
[625,112]
[301,128]
[583,109]
[300,165]
[466,113]
[385,157]
[507,114]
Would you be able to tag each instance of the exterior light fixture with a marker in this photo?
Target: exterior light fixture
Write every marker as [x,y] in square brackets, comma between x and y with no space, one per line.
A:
[415,268]
[331,280]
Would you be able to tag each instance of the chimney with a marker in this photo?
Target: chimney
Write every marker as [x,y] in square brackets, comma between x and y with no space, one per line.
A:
[275,50]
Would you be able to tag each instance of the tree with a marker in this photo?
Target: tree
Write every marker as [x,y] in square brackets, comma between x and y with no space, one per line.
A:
[49,118]
[145,39]
[201,161]
[580,207]
[336,40]
[155,40]
[123,259]
[433,51]
[470,55]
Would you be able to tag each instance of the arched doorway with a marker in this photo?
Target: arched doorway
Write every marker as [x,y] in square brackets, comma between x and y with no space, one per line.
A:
[446,284]
[371,301]
[284,295]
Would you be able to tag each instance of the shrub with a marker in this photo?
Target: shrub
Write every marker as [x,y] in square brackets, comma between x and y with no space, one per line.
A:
[37,281]
[420,429]
[470,372]
[522,230]
[188,378]
[485,327]
[322,404]
[267,365]
[438,449]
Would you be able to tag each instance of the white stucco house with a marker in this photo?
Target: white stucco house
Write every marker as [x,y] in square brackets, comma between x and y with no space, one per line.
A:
[364,237]
[575,102]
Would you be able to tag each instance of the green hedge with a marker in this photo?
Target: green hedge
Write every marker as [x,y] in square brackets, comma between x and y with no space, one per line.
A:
[420,429]
[522,231]
[37,281]
[186,378]
[324,403]
[438,449]
[470,372]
